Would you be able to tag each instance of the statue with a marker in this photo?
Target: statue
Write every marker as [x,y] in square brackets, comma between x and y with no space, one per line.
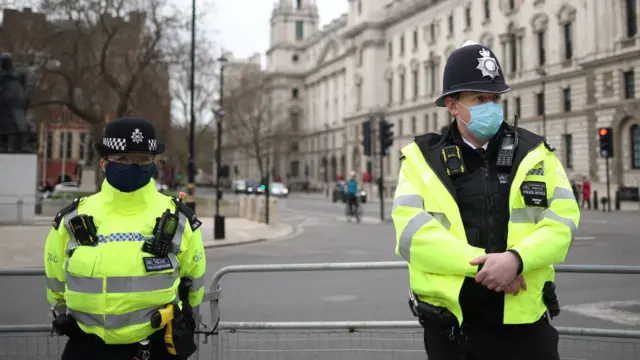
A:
[16,132]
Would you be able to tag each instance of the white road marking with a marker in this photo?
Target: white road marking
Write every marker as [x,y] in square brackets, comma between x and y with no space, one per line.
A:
[609,311]
[339,298]
[595,221]
[582,238]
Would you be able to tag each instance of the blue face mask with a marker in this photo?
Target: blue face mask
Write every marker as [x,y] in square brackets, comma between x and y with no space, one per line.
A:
[129,177]
[485,120]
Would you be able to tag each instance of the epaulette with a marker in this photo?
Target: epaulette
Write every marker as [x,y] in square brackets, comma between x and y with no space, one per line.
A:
[67,209]
[194,222]
[548,146]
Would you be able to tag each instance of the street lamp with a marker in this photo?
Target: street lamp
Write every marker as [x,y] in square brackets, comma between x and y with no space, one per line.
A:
[218,226]
[191,187]
[542,72]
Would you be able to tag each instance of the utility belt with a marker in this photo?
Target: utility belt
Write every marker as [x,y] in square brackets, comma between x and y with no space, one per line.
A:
[445,319]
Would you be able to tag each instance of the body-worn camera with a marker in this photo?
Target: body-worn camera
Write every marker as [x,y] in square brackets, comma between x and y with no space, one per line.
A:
[452,158]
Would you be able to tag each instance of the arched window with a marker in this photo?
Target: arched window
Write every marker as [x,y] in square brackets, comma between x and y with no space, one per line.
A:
[635,147]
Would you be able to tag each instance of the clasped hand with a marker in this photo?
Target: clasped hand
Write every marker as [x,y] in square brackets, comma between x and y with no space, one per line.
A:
[500,272]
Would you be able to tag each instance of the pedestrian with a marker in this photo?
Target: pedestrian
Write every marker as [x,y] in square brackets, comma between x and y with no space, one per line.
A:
[586,193]
[482,213]
[118,262]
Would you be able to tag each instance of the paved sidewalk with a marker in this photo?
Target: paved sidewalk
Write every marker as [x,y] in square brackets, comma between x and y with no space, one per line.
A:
[23,246]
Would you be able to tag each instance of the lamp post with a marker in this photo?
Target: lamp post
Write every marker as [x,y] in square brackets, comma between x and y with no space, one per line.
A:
[218,226]
[191,186]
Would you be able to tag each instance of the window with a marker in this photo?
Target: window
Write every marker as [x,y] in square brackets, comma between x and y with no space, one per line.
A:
[66,145]
[402,87]
[432,32]
[433,78]
[84,143]
[401,45]
[512,4]
[49,145]
[513,49]
[295,168]
[415,39]
[568,41]
[567,139]
[427,128]
[450,24]
[294,93]
[467,17]
[400,127]
[414,128]
[390,91]
[359,96]
[298,4]
[566,99]
[487,10]
[542,56]
[635,146]
[415,84]
[629,85]
[632,18]
[299,30]
[540,103]
[505,108]
[518,106]
[359,7]
[390,50]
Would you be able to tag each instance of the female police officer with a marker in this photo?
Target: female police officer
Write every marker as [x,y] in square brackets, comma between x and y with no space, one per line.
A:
[482,213]
[115,265]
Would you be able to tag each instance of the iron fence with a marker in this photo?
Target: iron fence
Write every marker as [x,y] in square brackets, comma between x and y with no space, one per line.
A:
[325,340]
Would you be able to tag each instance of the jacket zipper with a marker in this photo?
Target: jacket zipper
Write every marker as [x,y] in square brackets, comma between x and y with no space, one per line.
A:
[489,223]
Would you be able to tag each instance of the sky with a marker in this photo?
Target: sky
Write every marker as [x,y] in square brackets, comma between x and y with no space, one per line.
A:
[243,27]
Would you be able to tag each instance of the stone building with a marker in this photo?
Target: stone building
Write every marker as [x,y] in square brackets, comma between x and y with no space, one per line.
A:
[572,65]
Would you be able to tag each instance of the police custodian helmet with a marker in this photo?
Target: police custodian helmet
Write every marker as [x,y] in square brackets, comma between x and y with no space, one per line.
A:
[129,135]
[472,67]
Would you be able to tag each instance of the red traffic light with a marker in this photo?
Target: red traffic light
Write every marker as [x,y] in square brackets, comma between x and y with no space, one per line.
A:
[604,131]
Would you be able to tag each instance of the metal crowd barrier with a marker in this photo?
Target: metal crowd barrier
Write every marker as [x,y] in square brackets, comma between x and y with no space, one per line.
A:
[352,340]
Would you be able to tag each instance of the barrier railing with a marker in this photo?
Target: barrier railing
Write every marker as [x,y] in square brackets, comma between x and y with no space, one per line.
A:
[335,340]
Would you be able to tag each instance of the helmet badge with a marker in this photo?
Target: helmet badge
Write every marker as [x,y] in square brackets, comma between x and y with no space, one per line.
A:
[487,64]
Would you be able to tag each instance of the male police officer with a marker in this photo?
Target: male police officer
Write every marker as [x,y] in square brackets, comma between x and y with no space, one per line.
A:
[482,228]
[115,263]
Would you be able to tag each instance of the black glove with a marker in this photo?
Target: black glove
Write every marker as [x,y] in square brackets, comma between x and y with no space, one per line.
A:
[66,325]
[189,318]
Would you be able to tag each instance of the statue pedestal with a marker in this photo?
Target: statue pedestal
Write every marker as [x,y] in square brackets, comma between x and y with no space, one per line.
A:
[18,188]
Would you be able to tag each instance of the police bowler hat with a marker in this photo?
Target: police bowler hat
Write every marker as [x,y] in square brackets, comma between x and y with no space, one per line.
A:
[129,135]
[472,67]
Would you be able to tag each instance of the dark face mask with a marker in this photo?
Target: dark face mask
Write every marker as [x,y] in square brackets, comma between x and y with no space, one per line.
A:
[129,177]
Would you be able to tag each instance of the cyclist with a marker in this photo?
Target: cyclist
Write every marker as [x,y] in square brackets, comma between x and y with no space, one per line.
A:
[351,191]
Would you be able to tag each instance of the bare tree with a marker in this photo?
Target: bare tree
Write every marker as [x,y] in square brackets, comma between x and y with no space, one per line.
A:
[205,99]
[94,55]
[255,120]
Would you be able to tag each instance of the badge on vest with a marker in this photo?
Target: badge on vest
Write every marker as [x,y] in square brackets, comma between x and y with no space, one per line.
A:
[534,193]
[153,264]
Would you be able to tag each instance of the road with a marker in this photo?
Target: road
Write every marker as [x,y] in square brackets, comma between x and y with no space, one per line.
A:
[596,301]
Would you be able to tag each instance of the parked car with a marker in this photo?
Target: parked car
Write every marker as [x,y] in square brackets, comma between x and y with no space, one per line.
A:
[279,189]
[239,187]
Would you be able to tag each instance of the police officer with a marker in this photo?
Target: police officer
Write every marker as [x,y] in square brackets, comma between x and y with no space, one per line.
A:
[482,213]
[119,269]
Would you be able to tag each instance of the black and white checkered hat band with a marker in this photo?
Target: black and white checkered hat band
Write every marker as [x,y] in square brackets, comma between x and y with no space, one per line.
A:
[153,144]
[115,143]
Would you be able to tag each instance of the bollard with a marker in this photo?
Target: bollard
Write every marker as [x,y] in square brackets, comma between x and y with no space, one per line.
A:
[595,200]
[617,200]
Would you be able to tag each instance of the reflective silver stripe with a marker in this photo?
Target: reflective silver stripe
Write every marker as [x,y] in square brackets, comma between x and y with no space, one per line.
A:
[85,285]
[442,219]
[416,222]
[55,285]
[177,238]
[560,193]
[72,238]
[196,283]
[114,321]
[414,201]
[535,215]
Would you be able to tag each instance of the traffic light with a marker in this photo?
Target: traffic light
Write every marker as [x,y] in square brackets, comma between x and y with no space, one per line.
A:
[606,142]
[386,136]
[366,137]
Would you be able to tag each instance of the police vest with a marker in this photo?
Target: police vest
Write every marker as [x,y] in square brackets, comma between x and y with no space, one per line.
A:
[430,234]
[112,289]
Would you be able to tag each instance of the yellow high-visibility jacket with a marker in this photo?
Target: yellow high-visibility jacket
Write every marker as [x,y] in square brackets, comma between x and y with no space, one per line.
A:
[430,234]
[112,289]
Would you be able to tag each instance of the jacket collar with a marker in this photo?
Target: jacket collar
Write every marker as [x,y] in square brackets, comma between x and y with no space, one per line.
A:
[128,202]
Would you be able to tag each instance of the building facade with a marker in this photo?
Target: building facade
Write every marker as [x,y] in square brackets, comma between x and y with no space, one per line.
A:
[572,65]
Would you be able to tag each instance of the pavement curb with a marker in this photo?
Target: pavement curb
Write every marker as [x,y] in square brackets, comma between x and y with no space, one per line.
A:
[221,243]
